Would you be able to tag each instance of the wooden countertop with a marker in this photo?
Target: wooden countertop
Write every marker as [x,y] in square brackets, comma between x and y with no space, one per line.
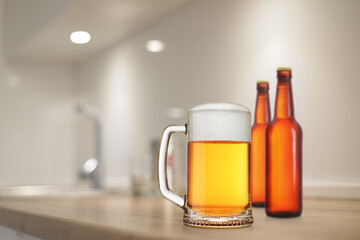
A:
[124,217]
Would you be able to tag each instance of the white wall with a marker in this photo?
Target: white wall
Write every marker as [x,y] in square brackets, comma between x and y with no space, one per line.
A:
[37,118]
[37,126]
[1,40]
[216,51]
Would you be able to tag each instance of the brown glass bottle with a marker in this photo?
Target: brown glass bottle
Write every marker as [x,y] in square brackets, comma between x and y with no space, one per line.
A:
[284,154]
[258,130]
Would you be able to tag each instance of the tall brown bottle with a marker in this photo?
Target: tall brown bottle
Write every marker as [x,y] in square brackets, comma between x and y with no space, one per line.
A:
[284,154]
[258,130]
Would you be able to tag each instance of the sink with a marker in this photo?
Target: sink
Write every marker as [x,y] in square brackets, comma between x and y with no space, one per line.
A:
[54,191]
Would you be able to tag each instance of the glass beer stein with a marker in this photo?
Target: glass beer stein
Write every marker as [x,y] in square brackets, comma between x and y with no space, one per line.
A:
[218,193]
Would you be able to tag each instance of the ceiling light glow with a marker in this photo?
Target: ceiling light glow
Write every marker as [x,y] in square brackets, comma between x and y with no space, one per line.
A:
[80,37]
[155,46]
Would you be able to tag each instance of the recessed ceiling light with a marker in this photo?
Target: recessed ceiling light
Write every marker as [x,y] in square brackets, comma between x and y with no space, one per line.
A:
[80,37]
[155,46]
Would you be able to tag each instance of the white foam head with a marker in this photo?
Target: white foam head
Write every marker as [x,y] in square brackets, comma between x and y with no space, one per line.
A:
[219,122]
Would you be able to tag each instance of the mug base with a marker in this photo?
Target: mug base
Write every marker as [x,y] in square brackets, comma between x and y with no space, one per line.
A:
[192,218]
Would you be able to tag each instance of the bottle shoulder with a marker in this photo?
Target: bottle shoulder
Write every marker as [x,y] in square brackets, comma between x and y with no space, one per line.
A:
[259,128]
[288,123]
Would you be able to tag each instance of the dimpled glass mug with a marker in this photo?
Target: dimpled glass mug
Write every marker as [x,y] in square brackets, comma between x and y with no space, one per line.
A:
[218,193]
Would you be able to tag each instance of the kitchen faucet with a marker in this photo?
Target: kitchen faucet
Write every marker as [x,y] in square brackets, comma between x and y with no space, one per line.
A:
[94,167]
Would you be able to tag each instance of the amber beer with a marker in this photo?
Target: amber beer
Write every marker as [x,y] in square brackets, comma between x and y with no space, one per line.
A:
[218,177]
[284,154]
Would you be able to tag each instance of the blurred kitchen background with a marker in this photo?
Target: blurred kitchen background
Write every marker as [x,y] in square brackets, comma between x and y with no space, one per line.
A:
[209,51]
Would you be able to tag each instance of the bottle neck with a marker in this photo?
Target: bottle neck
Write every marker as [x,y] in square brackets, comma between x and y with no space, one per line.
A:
[262,111]
[284,106]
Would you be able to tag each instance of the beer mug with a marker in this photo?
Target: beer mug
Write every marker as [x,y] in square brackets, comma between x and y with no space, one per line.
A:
[218,194]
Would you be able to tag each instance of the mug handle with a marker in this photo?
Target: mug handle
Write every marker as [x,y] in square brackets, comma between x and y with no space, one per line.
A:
[162,176]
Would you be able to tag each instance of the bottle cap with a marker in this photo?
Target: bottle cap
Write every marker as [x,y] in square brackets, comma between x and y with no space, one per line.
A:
[284,69]
[262,82]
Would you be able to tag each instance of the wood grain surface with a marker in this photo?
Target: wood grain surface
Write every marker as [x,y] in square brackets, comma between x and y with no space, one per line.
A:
[125,217]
